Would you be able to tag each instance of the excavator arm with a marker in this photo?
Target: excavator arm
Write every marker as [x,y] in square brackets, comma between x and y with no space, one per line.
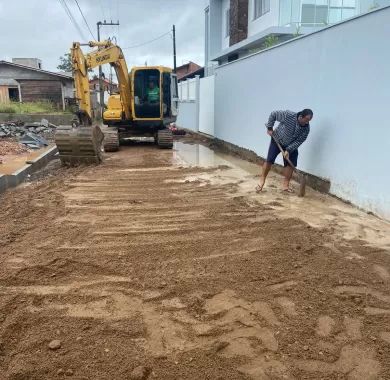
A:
[84,143]
[107,53]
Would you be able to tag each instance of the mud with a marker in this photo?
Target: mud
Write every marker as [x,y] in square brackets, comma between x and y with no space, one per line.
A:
[149,260]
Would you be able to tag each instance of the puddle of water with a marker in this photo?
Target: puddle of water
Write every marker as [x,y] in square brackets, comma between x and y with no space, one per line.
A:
[202,156]
[195,155]
[316,209]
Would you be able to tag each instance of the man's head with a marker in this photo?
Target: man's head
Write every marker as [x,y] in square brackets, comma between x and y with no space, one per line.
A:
[305,116]
[151,84]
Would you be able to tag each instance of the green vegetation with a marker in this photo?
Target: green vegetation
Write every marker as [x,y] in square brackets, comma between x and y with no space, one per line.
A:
[29,107]
[270,41]
[65,63]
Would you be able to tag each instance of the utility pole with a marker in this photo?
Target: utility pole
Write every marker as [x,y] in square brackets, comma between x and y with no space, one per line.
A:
[174,48]
[101,89]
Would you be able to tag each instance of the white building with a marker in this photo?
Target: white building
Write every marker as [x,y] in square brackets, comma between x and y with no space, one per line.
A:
[236,28]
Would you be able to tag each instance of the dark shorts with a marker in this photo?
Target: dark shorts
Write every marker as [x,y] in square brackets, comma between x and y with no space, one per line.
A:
[274,151]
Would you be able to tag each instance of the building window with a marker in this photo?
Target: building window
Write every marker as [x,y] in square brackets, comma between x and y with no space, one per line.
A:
[323,12]
[261,7]
[313,14]
[13,94]
[227,23]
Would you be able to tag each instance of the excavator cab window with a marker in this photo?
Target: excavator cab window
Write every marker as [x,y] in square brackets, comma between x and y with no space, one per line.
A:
[147,93]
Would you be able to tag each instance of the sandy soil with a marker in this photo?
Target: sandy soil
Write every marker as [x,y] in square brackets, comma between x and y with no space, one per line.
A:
[10,149]
[147,261]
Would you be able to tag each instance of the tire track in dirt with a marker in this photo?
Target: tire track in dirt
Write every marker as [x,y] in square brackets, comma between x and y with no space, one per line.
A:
[138,262]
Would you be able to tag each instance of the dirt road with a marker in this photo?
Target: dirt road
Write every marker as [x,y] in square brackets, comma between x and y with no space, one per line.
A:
[147,261]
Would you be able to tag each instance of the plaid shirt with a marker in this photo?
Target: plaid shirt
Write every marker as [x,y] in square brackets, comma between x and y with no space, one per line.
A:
[289,133]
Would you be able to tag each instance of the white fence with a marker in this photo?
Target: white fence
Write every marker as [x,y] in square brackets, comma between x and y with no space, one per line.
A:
[196,108]
[206,105]
[342,72]
[187,90]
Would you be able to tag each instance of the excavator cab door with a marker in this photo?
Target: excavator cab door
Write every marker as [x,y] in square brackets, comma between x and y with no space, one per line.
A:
[174,97]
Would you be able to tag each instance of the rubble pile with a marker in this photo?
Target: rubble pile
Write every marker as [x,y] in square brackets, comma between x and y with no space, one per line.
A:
[33,135]
[19,129]
[11,148]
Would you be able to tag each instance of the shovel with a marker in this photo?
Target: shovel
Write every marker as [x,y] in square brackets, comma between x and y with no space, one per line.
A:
[302,177]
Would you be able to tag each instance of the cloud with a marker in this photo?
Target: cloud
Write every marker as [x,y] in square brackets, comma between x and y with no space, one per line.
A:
[42,29]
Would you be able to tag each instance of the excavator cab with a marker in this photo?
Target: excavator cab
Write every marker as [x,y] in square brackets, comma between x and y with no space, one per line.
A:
[153,107]
[155,94]
[147,94]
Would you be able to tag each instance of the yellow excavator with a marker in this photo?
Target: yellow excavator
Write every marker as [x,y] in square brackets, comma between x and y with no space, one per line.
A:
[145,106]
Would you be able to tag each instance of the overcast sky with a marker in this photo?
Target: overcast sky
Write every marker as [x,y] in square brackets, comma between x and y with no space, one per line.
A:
[42,29]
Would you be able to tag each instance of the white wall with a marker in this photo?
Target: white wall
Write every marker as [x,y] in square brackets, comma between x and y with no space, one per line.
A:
[188,113]
[269,19]
[187,90]
[206,105]
[197,113]
[225,40]
[343,74]
[187,116]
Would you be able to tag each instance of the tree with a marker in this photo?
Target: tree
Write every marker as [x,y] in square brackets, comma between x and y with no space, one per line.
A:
[65,63]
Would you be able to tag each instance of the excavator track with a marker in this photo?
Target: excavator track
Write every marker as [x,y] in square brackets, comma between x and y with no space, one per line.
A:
[111,140]
[165,139]
[80,145]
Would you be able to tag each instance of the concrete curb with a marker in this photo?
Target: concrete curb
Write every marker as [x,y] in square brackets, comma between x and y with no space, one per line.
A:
[12,180]
[320,184]
[3,183]
[57,119]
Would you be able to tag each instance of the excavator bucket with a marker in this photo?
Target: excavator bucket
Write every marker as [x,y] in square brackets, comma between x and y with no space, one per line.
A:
[79,145]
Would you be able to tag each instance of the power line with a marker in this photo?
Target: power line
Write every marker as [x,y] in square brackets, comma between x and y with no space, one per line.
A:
[148,42]
[71,18]
[85,20]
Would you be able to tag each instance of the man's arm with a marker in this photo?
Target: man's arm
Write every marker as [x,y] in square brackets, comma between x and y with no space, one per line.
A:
[275,116]
[295,144]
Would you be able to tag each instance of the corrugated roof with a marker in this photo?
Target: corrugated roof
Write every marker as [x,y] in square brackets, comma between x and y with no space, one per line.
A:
[64,76]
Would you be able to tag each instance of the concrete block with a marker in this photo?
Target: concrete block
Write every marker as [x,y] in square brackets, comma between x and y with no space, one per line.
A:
[17,177]
[3,183]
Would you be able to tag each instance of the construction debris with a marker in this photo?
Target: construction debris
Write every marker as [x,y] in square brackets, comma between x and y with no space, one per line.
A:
[175,131]
[18,129]
[33,141]
[8,147]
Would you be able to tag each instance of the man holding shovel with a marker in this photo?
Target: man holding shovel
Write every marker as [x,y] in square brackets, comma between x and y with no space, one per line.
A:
[291,132]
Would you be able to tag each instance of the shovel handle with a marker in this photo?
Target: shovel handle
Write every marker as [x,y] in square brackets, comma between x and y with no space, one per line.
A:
[281,149]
